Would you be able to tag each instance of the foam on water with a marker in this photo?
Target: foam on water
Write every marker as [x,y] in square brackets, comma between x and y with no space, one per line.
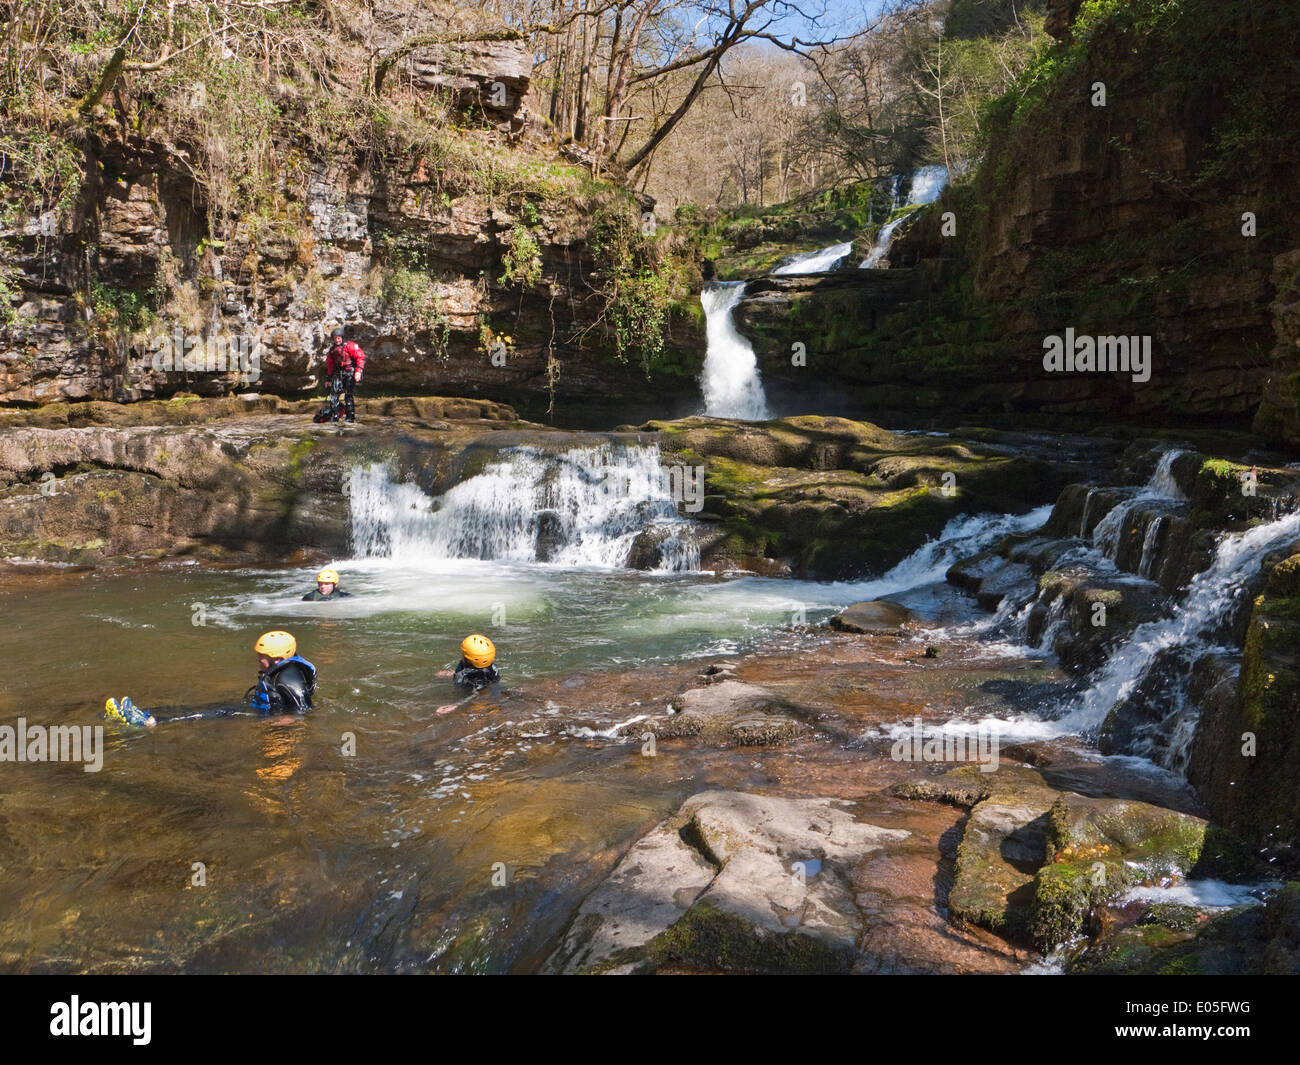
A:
[1203,894]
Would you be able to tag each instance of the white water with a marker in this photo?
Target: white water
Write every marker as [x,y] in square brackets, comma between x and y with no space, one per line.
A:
[962,537]
[1194,623]
[580,507]
[1162,483]
[1195,626]
[1162,487]
[816,262]
[732,388]
[927,183]
[1203,894]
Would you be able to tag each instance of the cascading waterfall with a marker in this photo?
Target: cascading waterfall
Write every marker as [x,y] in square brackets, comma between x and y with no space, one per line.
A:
[1195,625]
[579,507]
[816,262]
[927,183]
[963,536]
[1151,546]
[731,384]
[1194,630]
[1161,487]
[1162,483]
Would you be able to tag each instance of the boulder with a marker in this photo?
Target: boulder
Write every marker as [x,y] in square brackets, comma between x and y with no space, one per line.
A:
[734,881]
[874,618]
[728,713]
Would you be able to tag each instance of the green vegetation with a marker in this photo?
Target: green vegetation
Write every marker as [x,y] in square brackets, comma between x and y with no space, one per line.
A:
[643,272]
[409,290]
[523,258]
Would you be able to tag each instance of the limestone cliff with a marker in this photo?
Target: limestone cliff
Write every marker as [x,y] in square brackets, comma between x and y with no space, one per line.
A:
[1135,183]
[464,251]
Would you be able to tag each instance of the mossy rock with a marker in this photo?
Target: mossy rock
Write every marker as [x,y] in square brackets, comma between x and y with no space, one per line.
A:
[1246,941]
[709,937]
[1100,848]
[1246,756]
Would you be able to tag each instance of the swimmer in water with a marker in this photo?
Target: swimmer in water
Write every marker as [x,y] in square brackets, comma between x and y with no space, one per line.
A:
[285,684]
[475,670]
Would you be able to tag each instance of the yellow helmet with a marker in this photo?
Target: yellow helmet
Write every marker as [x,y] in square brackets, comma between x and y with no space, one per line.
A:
[327,576]
[276,645]
[478,651]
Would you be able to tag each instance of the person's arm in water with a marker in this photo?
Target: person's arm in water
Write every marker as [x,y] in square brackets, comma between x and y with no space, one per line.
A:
[128,713]
[471,678]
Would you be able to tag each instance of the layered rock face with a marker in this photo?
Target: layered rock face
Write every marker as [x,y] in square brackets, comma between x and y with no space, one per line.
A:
[1128,195]
[261,292]
[253,478]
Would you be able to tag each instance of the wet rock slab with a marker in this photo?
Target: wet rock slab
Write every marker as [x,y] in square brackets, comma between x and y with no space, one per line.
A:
[875,618]
[733,881]
[728,712]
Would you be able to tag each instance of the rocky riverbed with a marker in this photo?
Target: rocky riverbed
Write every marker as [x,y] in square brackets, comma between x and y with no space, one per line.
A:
[940,762]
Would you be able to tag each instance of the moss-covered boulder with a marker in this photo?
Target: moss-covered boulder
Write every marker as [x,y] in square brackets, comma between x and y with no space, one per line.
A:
[833,498]
[1034,861]
[1247,941]
[1246,756]
[1099,847]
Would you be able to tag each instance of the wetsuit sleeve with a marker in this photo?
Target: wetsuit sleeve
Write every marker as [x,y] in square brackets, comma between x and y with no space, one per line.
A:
[358,356]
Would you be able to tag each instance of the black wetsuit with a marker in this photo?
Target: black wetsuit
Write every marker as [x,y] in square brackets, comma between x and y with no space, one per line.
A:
[341,400]
[314,596]
[285,688]
[472,679]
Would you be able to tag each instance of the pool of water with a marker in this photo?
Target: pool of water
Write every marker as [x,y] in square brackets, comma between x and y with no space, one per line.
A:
[374,834]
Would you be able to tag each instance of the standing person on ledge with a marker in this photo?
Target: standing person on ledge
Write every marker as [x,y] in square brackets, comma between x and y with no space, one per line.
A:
[343,365]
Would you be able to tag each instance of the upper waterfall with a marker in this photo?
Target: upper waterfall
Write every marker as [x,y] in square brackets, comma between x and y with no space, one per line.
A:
[732,388]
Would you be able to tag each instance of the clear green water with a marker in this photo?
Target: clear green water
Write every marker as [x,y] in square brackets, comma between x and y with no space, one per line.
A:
[319,861]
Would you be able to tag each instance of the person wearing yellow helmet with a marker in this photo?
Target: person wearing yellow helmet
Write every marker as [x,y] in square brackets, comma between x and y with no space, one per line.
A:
[476,669]
[285,684]
[327,587]
[285,680]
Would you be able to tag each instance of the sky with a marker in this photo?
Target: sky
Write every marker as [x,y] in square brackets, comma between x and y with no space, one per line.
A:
[837,16]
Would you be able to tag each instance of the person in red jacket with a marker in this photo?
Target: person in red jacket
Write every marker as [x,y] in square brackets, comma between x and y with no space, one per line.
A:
[343,365]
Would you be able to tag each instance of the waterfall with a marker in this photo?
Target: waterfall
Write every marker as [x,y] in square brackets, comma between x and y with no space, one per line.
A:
[816,262]
[1194,625]
[963,536]
[593,506]
[1161,488]
[1162,481]
[1151,546]
[732,388]
[927,183]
